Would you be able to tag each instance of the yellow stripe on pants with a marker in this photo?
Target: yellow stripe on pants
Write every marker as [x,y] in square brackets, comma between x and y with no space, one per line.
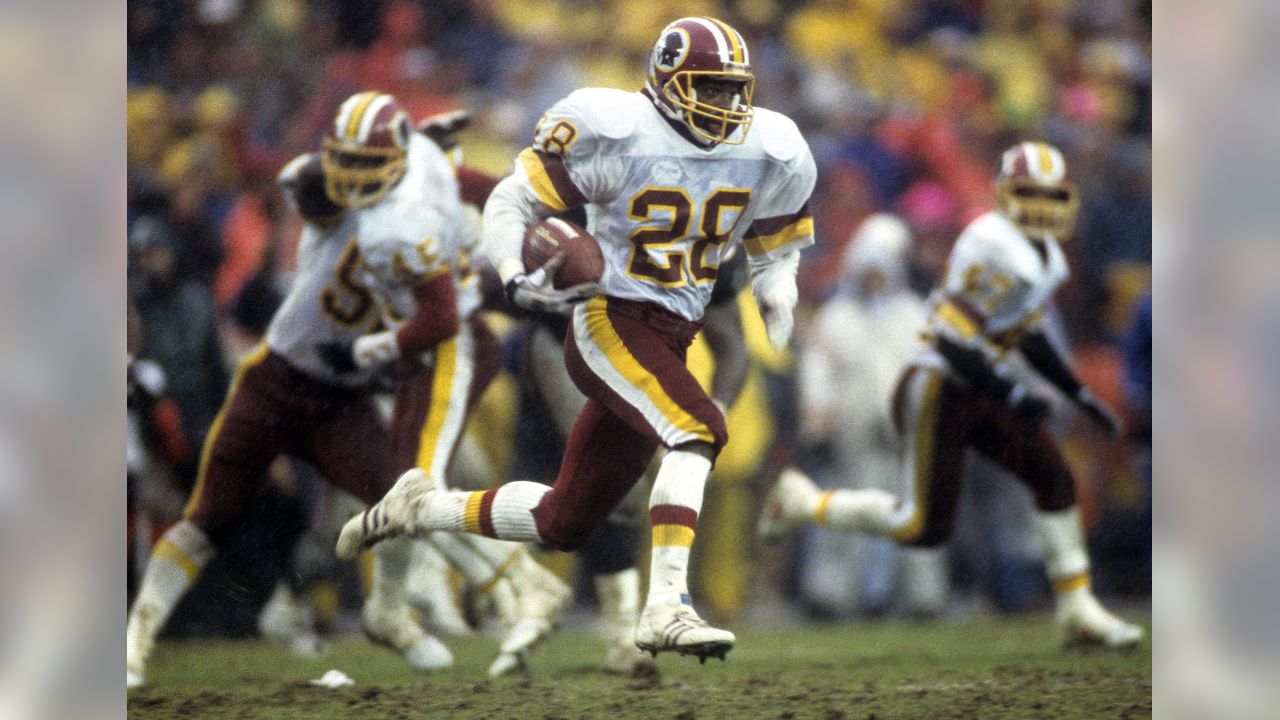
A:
[923,459]
[254,358]
[615,351]
[441,393]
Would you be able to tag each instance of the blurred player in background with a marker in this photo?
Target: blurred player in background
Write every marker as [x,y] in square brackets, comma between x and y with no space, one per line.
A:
[380,197]
[413,249]
[670,176]
[1002,272]
[859,343]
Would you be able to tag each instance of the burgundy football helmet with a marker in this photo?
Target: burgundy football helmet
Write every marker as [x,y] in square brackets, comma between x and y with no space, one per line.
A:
[368,152]
[1032,190]
[696,48]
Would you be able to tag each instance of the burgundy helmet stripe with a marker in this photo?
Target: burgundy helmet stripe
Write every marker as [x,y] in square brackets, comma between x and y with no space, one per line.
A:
[737,46]
[722,42]
[382,105]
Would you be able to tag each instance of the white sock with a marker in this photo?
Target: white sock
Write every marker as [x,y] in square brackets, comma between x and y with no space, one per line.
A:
[176,562]
[673,511]
[505,513]
[391,561]
[619,595]
[869,511]
[1066,559]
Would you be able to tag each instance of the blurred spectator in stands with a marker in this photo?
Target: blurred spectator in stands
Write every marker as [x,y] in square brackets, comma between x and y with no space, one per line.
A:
[1114,237]
[180,335]
[930,210]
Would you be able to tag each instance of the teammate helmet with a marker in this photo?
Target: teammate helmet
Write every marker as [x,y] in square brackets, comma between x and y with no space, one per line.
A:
[696,48]
[367,153]
[1032,190]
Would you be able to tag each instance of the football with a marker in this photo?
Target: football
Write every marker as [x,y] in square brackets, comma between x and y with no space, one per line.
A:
[583,262]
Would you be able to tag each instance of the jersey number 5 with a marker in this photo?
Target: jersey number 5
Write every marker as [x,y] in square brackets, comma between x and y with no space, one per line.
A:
[347,300]
[646,242]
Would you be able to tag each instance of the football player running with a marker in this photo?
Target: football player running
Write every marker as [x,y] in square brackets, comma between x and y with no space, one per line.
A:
[670,176]
[412,241]
[955,395]
[612,553]
[300,393]
[305,391]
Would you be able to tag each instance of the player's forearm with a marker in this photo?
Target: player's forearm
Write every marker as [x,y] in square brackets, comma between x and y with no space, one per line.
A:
[475,186]
[773,282]
[971,364]
[775,276]
[436,319]
[1046,360]
[723,330]
[512,208]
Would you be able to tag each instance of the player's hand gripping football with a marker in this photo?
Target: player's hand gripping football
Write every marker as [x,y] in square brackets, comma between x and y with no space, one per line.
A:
[536,290]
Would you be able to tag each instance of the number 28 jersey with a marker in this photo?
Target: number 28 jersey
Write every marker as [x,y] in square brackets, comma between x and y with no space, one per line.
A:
[663,209]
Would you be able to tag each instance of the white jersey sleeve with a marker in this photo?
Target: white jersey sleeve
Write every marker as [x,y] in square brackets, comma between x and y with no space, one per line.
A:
[563,168]
[565,162]
[783,222]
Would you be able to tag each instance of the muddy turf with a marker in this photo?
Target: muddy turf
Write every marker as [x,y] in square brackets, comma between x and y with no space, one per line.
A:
[992,668]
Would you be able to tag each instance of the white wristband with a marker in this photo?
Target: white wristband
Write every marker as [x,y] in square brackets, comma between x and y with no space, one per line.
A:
[509,267]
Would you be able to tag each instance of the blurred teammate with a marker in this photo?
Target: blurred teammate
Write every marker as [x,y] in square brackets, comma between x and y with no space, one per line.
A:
[380,197]
[1002,272]
[670,176]
[410,249]
[859,342]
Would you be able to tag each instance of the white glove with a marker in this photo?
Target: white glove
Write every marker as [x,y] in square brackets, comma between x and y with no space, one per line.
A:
[536,291]
[375,349]
[776,310]
[773,282]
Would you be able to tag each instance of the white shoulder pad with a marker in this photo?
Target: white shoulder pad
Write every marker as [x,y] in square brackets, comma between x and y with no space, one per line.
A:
[779,135]
[609,113]
[994,230]
[289,173]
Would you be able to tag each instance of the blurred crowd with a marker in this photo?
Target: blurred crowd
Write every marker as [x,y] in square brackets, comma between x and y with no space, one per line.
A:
[906,106]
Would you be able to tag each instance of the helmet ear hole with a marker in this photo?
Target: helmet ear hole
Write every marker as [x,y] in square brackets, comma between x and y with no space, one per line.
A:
[400,129]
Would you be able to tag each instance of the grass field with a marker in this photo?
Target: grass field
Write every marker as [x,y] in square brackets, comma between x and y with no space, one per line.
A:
[988,668]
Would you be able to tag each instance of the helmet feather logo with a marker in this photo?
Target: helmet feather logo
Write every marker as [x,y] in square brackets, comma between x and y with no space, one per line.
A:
[674,49]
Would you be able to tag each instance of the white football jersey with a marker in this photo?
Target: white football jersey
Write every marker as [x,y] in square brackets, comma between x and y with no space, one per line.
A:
[415,233]
[328,306]
[359,273]
[997,285]
[663,209]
